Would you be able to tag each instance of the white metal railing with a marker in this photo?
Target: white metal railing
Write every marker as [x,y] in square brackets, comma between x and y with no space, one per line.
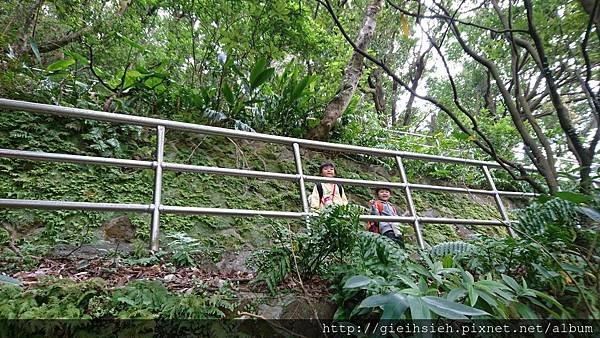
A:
[156,208]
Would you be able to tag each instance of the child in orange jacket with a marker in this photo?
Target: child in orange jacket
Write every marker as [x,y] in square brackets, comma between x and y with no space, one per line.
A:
[381,206]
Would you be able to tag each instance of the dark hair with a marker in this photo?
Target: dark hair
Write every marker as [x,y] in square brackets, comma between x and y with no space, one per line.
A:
[377,189]
[326,164]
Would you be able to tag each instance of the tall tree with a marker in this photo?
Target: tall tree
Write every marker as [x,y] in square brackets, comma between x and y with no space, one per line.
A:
[528,77]
[352,74]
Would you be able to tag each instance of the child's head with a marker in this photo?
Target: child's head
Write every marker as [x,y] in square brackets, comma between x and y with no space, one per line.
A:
[327,169]
[383,193]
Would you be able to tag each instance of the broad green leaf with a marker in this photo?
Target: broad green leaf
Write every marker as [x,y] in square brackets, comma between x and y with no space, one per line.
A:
[548,298]
[357,282]
[60,65]
[544,272]
[511,282]
[408,281]
[134,74]
[9,280]
[455,294]
[473,295]
[468,278]
[488,298]
[78,57]
[573,197]
[591,213]
[297,92]
[373,301]
[452,310]
[447,261]
[526,312]
[395,307]
[461,135]
[418,309]
[35,50]
[262,78]
[544,198]
[131,42]
[228,94]
[572,268]
[259,67]
[126,300]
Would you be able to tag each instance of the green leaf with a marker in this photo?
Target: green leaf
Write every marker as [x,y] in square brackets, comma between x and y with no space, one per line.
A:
[259,67]
[452,310]
[591,213]
[131,42]
[35,50]
[9,280]
[297,92]
[468,278]
[455,294]
[544,198]
[373,301]
[473,295]
[262,78]
[228,94]
[511,282]
[78,57]
[418,309]
[395,307]
[488,298]
[461,135]
[357,282]
[573,197]
[526,312]
[60,65]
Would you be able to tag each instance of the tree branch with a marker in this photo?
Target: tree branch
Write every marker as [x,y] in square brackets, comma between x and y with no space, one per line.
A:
[433,101]
[446,17]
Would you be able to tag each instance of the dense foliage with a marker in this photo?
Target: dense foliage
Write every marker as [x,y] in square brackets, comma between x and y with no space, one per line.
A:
[548,272]
[517,83]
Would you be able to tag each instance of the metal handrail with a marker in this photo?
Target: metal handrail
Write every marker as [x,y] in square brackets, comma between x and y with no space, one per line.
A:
[159,165]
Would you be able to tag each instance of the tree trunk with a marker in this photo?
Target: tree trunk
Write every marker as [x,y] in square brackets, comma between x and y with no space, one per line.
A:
[592,8]
[376,85]
[352,75]
[394,100]
[419,67]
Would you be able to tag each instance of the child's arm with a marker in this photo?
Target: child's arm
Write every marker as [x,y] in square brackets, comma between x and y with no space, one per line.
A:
[374,210]
[313,199]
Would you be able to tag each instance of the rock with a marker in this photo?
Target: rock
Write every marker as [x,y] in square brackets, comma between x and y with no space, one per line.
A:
[430,213]
[88,251]
[234,262]
[463,231]
[300,309]
[270,312]
[119,229]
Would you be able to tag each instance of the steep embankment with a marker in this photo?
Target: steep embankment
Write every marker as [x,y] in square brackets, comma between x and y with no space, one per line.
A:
[70,243]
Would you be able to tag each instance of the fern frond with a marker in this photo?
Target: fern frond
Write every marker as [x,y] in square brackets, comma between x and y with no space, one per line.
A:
[455,248]
[536,218]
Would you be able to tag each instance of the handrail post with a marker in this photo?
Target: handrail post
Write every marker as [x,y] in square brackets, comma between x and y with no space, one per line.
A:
[411,205]
[301,181]
[498,199]
[160,148]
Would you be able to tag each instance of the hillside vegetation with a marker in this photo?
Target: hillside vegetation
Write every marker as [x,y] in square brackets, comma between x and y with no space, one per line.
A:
[515,83]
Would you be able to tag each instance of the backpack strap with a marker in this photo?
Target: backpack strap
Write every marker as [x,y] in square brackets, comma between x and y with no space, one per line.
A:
[320,191]
[379,206]
[373,226]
